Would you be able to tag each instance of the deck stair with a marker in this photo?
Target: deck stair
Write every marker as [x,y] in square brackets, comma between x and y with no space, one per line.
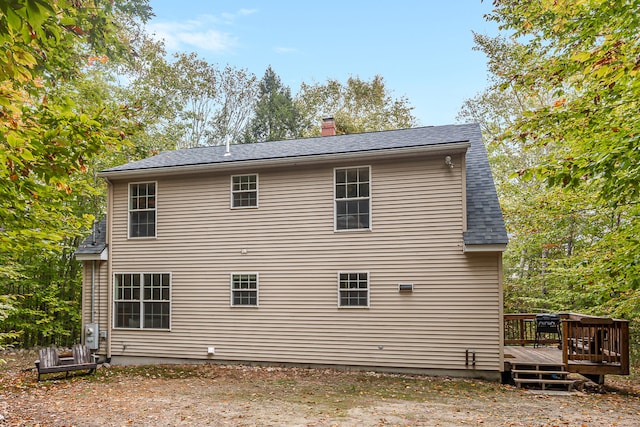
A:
[544,375]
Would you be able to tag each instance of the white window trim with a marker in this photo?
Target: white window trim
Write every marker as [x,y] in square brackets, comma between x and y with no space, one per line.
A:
[257,304]
[129,184]
[231,192]
[335,202]
[141,301]
[355,307]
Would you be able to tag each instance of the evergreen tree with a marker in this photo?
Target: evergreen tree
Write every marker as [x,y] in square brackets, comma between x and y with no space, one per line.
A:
[276,117]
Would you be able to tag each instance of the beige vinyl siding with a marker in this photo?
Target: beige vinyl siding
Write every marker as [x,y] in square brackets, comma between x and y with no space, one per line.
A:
[101,315]
[290,242]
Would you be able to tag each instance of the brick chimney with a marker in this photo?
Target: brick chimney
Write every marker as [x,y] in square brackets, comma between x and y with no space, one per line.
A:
[328,126]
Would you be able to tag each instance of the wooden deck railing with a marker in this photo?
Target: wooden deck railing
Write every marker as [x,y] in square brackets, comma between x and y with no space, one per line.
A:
[597,345]
[590,345]
[520,329]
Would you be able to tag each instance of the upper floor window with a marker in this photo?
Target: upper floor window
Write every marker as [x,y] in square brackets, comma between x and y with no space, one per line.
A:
[142,209]
[352,198]
[244,191]
[353,289]
[244,289]
[142,300]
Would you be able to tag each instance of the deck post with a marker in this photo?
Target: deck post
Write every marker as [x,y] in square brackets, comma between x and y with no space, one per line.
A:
[565,343]
[624,348]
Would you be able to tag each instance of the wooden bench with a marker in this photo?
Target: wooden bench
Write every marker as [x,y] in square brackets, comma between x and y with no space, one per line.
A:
[49,361]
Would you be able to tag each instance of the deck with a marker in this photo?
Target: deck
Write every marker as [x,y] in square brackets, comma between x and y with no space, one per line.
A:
[588,345]
[542,356]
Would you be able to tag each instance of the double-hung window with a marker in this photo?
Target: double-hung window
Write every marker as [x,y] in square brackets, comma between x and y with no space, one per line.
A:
[142,300]
[244,191]
[353,289]
[352,198]
[142,209]
[244,289]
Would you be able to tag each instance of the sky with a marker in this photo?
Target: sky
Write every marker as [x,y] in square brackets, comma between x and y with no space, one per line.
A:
[422,48]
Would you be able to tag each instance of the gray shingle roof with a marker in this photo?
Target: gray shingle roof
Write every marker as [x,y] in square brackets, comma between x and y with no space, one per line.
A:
[307,147]
[94,245]
[485,224]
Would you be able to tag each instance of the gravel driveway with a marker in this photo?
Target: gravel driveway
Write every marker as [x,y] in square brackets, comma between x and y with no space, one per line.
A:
[233,395]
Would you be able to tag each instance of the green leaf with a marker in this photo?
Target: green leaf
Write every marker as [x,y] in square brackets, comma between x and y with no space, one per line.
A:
[581,56]
[27,155]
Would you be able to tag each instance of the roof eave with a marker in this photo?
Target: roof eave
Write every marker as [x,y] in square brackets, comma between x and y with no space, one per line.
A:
[493,247]
[102,256]
[451,148]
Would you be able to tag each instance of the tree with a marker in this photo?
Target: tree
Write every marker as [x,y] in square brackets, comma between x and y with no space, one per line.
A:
[576,66]
[275,116]
[188,102]
[358,106]
[46,139]
[586,55]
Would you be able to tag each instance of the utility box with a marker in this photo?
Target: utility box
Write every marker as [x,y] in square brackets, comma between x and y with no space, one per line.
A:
[91,336]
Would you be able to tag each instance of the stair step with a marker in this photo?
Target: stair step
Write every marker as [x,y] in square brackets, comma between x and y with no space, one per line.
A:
[538,366]
[544,383]
[538,380]
[531,371]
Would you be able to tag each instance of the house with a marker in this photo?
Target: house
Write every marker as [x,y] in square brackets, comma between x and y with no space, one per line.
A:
[378,251]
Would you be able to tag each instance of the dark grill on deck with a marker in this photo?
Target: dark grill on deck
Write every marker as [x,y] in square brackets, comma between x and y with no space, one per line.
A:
[547,324]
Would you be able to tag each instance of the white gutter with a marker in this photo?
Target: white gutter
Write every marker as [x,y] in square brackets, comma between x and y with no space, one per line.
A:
[93,291]
[485,248]
[450,148]
[102,256]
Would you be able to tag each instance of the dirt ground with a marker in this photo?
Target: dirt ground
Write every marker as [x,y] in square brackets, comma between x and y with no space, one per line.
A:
[215,395]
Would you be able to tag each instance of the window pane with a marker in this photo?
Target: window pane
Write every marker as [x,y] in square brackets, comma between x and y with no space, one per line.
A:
[236,183]
[142,224]
[156,287]
[354,289]
[245,199]
[244,191]
[363,174]
[245,298]
[142,214]
[155,309]
[352,184]
[363,190]
[127,315]
[352,190]
[156,315]
[244,289]
[353,298]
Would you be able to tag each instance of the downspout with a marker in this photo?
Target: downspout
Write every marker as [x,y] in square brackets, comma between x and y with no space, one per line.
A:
[109,266]
[93,290]
[93,275]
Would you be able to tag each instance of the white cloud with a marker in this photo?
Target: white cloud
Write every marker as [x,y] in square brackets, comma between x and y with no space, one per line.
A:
[209,40]
[199,33]
[245,12]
